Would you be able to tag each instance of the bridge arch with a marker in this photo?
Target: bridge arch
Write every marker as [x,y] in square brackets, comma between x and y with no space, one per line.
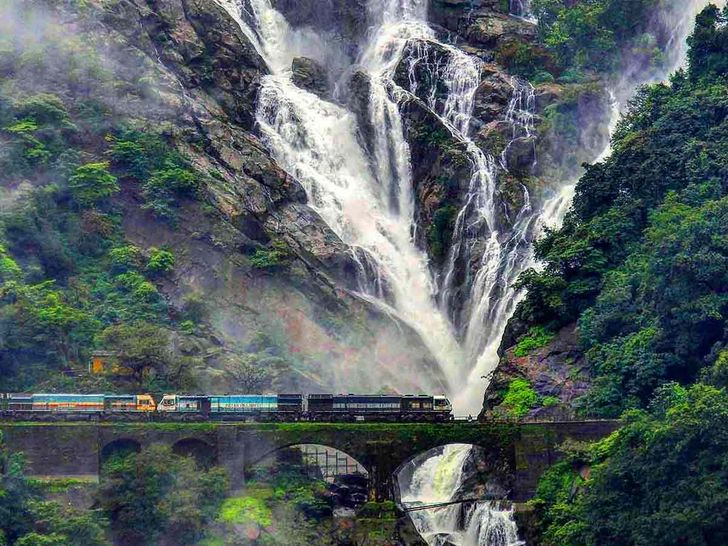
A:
[202,452]
[119,447]
[452,470]
[347,480]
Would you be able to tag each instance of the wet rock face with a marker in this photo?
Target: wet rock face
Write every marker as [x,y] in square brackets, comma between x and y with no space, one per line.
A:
[200,43]
[350,491]
[492,30]
[346,19]
[441,173]
[557,370]
[449,13]
[484,24]
[358,100]
[492,96]
[310,75]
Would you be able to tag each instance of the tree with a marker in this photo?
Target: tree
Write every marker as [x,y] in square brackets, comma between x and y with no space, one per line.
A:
[247,374]
[156,492]
[93,183]
[662,480]
[140,347]
[27,520]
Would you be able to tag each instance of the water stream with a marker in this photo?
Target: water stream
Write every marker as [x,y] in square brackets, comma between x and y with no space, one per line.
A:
[440,479]
[365,194]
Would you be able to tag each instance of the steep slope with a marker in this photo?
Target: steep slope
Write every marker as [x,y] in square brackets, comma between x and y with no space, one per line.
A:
[246,246]
[632,293]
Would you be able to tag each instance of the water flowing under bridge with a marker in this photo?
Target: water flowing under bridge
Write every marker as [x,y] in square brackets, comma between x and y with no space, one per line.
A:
[518,452]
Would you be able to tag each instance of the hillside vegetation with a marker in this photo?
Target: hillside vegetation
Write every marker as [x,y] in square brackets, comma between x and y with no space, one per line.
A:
[641,267]
[641,261]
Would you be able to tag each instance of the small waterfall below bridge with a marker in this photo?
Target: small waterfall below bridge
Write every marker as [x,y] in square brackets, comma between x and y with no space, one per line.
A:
[440,480]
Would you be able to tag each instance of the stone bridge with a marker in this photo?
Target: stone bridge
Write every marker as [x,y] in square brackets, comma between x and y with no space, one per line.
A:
[519,452]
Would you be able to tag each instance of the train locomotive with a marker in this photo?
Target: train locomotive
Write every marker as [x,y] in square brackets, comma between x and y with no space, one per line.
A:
[253,407]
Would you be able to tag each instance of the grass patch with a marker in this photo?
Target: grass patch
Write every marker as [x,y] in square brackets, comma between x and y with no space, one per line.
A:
[537,337]
[250,508]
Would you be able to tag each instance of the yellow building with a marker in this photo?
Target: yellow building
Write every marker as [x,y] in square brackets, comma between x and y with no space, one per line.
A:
[106,363]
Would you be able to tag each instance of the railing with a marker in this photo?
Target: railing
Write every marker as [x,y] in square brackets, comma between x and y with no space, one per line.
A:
[438,504]
[532,420]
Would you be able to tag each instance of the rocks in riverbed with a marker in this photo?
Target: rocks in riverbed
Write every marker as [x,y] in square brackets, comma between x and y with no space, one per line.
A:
[310,75]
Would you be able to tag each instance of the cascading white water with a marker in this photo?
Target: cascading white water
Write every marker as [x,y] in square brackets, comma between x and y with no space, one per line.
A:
[522,9]
[365,195]
[487,256]
[439,480]
[368,200]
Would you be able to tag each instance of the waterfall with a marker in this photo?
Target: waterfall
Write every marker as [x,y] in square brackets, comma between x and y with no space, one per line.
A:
[522,9]
[365,193]
[440,479]
[366,197]
[367,201]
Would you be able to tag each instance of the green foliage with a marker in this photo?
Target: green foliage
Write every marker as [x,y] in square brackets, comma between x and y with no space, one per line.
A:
[661,480]
[92,183]
[160,261]
[9,269]
[708,44]
[247,509]
[165,176]
[27,520]
[598,34]
[530,61]
[536,338]
[642,257]
[157,493]
[125,258]
[717,374]
[140,347]
[45,109]
[66,271]
[273,257]
[195,307]
[519,398]
[440,230]
[378,510]
[38,322]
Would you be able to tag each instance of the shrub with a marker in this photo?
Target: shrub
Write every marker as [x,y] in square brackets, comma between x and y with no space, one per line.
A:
[125,258]
[440,230]
[160,261]
[536,338]
[92,183]
[519,398]
[156,492]
[276,256]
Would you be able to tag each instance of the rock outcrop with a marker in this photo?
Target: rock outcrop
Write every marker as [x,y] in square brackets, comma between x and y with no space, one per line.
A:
[557,372]
[310,75]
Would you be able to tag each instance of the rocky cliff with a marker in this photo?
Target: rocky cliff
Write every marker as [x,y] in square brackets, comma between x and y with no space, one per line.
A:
[249,247]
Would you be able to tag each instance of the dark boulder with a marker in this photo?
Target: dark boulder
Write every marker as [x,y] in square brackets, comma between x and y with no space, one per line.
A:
[308,74]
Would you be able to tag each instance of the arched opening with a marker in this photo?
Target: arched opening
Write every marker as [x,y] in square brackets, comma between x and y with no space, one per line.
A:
[339,482]
[202,452]
[456,494]
[119,448]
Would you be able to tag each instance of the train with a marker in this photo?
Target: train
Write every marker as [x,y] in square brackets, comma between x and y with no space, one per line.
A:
[254,407]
